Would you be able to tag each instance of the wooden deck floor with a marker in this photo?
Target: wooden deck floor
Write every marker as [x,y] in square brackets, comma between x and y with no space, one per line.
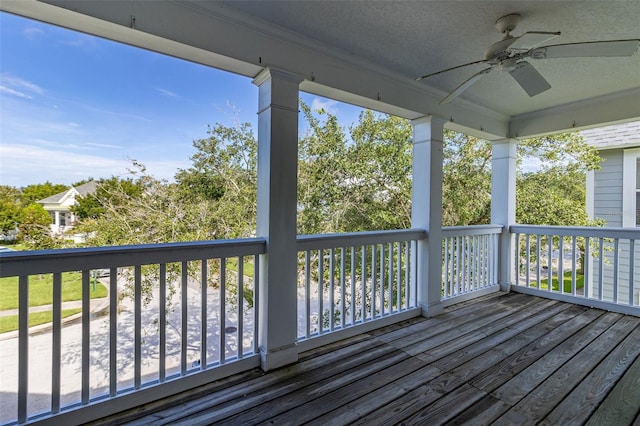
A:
[503,359]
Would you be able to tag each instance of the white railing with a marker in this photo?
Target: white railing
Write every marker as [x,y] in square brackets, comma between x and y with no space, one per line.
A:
[591,266]
[345,280]
[193,307]
[469,260]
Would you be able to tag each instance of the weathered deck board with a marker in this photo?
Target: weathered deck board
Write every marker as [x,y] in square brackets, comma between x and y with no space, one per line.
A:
[500,359]
[622,404]
[537,404]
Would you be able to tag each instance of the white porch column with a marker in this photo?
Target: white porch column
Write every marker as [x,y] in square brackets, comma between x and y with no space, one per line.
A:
[277,197]
[56,222]
[426,210]
[503,206]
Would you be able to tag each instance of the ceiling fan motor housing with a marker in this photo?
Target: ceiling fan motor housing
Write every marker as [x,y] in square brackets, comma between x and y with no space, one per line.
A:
[507,23]
[499,51]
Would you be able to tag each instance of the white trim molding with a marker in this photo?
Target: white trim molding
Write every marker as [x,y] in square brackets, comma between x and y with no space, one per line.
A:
[629,176]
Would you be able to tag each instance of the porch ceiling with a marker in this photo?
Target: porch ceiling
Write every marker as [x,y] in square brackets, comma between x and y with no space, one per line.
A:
[370,52]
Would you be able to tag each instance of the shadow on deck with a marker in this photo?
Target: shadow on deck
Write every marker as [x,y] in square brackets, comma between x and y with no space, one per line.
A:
[504,358]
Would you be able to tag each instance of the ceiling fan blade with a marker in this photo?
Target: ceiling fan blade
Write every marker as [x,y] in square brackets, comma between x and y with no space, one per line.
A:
[465,85]
[450,69]
[529,78]
[529,40]
[588,49]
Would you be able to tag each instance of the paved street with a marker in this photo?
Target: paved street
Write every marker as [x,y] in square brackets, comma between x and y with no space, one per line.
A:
[40,350]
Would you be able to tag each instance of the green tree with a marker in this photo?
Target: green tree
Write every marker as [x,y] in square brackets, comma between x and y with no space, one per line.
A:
[466,180]
[555,193]
[9,208]
[222,183]
[32,193]
[355,181]
[34,228]
[551,193]
[92,206]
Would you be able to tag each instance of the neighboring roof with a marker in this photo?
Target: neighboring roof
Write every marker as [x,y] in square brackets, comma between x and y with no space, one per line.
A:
[616,136]
[82,190]
[87,188]
[54,198]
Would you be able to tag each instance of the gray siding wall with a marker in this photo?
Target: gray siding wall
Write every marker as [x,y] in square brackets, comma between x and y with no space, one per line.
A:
[607,203]
[607,197]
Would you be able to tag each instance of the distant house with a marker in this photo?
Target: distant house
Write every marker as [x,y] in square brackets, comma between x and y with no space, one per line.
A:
[613,194]
[59,206]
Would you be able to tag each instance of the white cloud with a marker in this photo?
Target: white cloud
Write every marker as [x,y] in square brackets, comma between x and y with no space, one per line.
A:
[17,85]
[166,93]
[32,32]
[81,41]
[22,164]
[329,105]
[13,92]
[104,145]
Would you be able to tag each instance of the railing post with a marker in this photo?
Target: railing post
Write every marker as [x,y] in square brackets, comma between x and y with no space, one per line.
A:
[277,197]
[426,210]
[503,206]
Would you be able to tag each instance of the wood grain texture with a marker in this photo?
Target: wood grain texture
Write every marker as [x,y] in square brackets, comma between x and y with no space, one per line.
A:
[622,404]
[537,404]
[578,406]
[527,380]
[502,359]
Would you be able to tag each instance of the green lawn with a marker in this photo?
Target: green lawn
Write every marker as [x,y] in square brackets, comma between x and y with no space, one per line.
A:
[566,282]
[40,290]
[10,323]
[232,264]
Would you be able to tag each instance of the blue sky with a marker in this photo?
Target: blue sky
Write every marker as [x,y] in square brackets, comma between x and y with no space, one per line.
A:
[74,106]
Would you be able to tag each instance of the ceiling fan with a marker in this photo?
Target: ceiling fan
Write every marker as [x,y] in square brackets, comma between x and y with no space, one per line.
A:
[509,55]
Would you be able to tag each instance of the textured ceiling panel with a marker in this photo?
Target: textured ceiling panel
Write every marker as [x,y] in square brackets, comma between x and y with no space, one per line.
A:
[412,38]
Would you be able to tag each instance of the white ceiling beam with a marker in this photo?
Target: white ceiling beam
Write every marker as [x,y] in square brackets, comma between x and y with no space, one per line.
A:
[595,112]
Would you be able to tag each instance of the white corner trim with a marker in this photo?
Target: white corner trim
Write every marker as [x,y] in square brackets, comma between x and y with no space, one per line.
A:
[629,163]
[590,194]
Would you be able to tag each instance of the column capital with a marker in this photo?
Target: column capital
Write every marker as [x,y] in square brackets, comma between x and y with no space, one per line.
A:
[504,141]
[428,128]
[269,73]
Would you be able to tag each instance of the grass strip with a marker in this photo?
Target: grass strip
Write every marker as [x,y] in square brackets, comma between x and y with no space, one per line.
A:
[10,323]
[566,282]
[40,290]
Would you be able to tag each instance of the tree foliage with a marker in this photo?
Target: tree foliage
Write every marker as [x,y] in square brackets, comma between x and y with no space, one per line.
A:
[555,193]
[357,179]
[466,180]
[9,208]
[32,193]
[349,179]
[34,227]
[93,206]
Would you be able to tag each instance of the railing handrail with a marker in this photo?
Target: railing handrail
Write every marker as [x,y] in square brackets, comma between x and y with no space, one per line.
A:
[329,241]
[577,231]
[63,260]
[459,231]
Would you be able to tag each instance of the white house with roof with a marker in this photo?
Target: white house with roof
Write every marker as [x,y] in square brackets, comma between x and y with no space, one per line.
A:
[613,194]
[59,206]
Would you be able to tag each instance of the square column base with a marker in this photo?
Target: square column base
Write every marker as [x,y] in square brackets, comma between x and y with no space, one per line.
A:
[430,311]
[278,358]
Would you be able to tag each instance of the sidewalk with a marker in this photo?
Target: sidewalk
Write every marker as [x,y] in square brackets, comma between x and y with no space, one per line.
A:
[97,306]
